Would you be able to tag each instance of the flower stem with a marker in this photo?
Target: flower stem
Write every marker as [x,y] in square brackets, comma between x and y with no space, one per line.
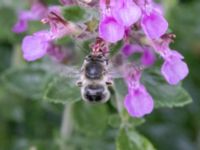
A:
[66,125]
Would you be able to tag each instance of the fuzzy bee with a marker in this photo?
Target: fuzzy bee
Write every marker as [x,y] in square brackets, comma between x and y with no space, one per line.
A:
[95,77]
[95,80]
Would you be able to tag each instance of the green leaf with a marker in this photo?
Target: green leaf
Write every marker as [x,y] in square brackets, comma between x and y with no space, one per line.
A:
[62,90]
[6,22]
[131,140]
[90,119]
[28,82]
[165,95]
[114,120]
[5,56]
[84,142]
[74,13]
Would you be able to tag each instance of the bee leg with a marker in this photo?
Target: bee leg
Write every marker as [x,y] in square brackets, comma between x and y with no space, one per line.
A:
[109,83]
[79,83]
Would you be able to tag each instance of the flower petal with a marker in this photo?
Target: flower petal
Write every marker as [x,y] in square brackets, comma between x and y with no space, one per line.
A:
[110,30]
[139,102]
[154,24]
[174,70]
[127,13]
[20,26]
[34,47]
[148,57]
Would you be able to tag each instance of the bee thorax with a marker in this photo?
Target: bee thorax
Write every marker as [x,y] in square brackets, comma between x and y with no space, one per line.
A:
[93,71]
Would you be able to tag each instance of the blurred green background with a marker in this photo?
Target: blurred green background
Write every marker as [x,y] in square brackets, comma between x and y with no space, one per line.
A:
[25,122]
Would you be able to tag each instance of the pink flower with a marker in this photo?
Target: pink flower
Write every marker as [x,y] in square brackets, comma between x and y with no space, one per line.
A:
[20,26]
[148,57]
[41,43]
[66,2]
[37,12]
[174,69]
[138,102]
[154,24]
[57,53]
[58,26]
[126,12]
[110,30]
[35,46]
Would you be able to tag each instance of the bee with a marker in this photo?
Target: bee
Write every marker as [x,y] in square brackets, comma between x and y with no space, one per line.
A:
[95,80]
[95,77]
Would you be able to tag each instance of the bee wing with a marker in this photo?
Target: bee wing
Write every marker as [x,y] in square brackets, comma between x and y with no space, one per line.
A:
[62,70]
[115,73]
[120,71]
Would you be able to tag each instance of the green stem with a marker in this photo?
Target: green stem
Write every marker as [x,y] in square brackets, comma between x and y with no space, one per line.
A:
[66,125]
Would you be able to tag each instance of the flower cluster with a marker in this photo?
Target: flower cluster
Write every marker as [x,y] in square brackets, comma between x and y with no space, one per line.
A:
[133,21]
[140,24]
[41,43]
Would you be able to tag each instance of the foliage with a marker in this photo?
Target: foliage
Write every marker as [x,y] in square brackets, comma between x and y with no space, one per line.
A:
[26,124]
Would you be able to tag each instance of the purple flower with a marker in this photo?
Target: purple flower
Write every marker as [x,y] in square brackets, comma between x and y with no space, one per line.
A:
[66,2]
[37,12]
[138,101]
[154,24]
[110,30]
[57,53]
[58,26]
[174,69]
[20,26]
[148,57]
[35,46]
[126,12]
[41,43]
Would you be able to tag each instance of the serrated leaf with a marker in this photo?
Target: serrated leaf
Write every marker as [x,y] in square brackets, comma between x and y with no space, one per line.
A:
[90,119]
[165,95]
[74,13]
[131,140]
[62,90]
[28,82]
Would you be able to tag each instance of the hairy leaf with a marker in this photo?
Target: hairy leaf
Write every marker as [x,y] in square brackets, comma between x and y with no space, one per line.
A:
[90,119]
[131,140]
[74,13]
[165,95]
[29,82]
[62,90]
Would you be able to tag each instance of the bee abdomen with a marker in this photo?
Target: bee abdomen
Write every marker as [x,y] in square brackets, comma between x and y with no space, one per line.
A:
[94,93]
